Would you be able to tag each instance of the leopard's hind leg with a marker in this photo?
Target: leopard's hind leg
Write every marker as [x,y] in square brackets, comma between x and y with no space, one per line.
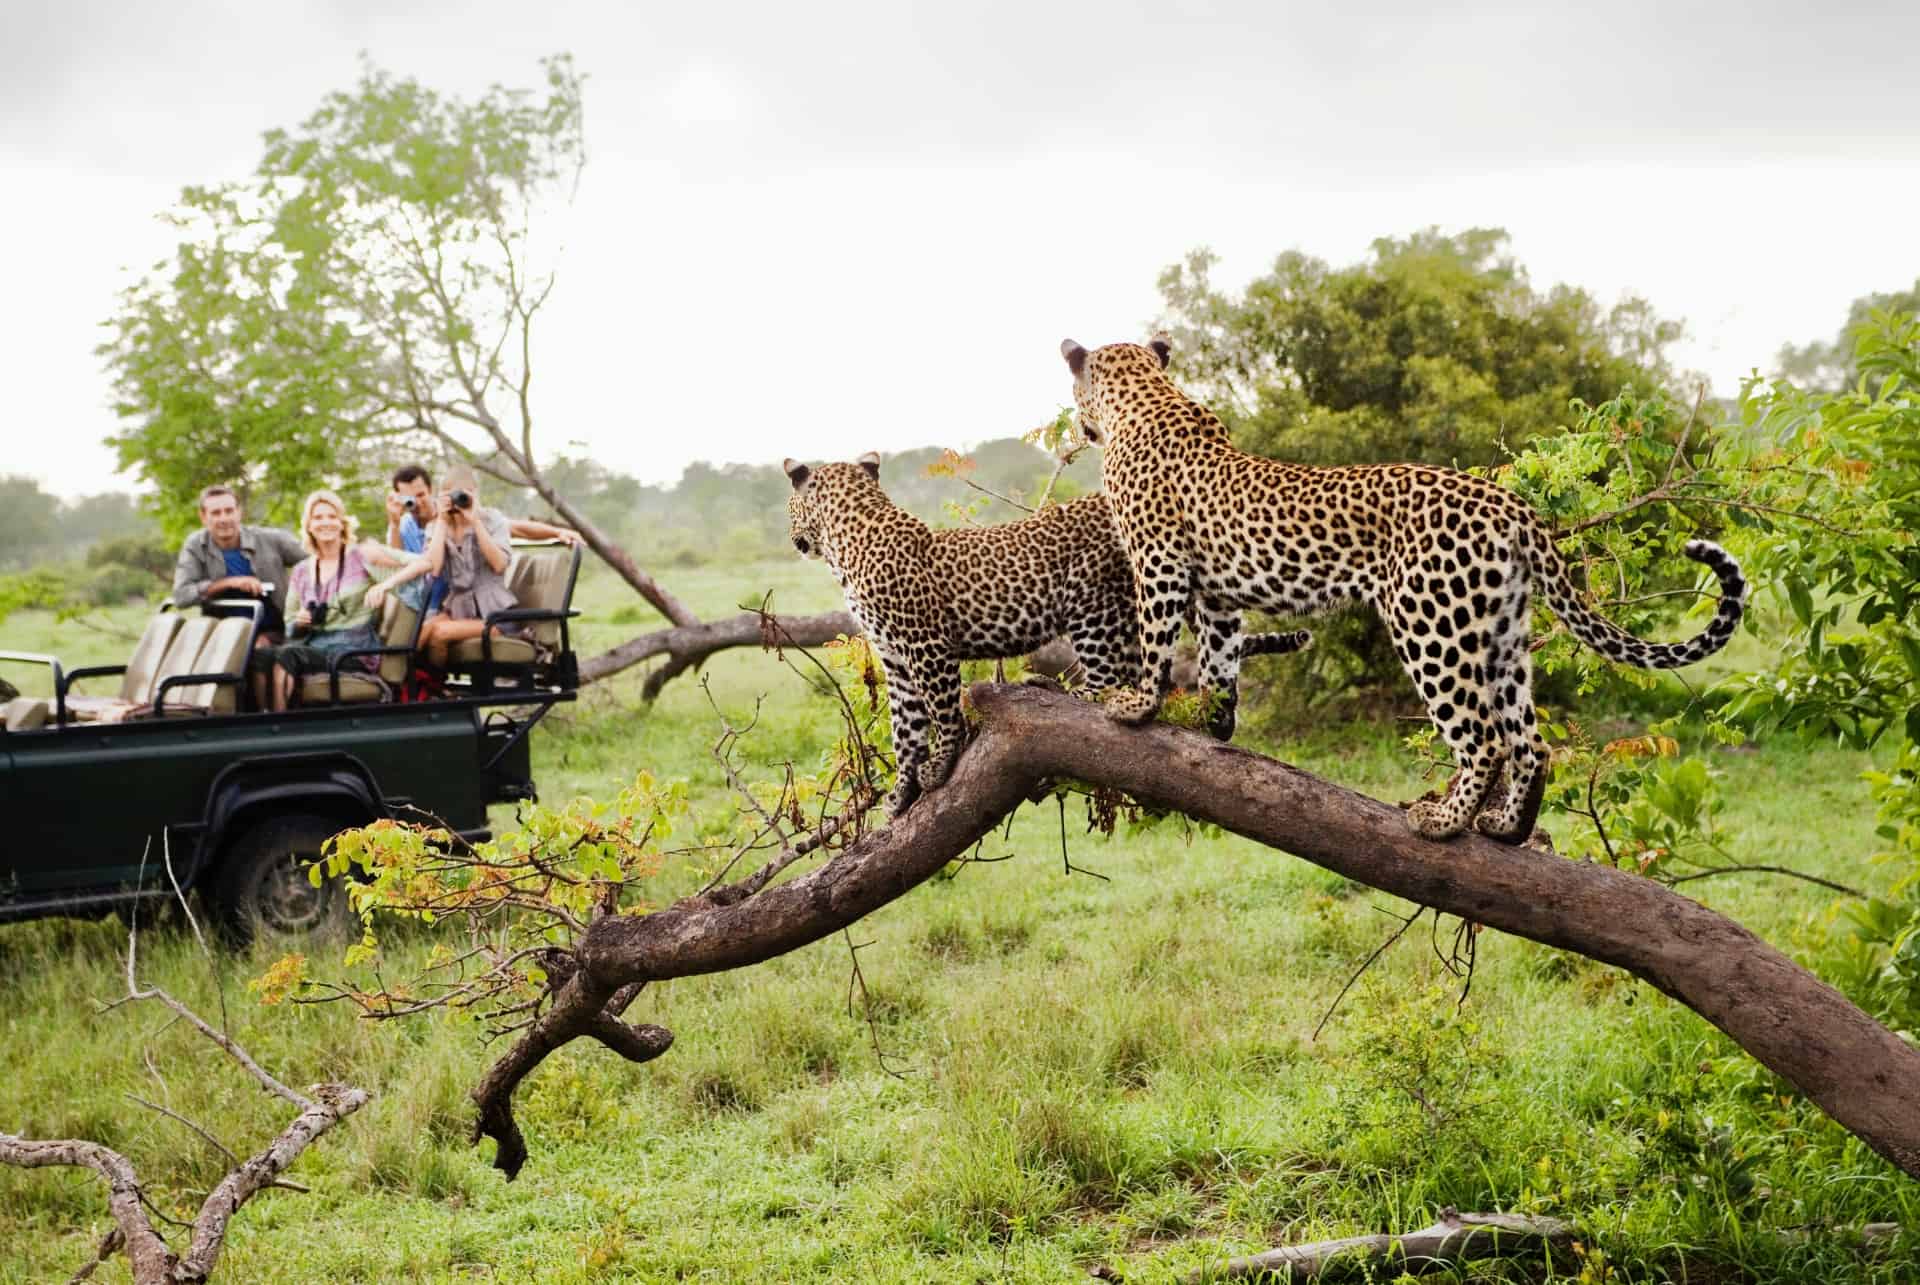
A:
[1106,641]
[940,685]
[1509,816]
[1443,627]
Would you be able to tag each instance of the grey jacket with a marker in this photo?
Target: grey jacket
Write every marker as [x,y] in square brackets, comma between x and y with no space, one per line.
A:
[273,552]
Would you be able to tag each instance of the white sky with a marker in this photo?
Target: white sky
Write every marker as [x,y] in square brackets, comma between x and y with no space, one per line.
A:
[815,230]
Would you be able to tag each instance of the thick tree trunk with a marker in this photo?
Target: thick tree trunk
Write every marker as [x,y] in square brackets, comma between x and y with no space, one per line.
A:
[687,646]
[1860,1073]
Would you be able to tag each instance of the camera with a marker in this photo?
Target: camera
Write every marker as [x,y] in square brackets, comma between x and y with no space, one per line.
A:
[463,499]
[317,614]
[408,503]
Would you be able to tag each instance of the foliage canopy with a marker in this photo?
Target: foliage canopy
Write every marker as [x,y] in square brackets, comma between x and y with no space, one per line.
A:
[1435,348]
[370,288]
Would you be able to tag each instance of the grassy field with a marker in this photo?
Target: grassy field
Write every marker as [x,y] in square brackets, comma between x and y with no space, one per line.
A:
[1068,1070]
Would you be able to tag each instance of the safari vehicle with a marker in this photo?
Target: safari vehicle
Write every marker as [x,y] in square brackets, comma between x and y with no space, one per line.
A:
[172,783]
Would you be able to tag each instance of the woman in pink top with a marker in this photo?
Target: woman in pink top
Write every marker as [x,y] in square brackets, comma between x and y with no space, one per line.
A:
[333,605]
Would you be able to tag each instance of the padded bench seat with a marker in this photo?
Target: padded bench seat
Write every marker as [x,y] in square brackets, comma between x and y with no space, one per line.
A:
[399,634]
[25,713]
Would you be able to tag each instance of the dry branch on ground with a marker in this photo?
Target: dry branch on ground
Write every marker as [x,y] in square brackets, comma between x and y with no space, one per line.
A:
[152,1260]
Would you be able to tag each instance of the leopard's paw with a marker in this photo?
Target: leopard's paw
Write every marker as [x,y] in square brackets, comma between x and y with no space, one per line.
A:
[1129,705]
[934,772]
[1433,819]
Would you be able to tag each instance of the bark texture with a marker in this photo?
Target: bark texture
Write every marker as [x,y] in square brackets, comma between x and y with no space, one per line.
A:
[1857,1071]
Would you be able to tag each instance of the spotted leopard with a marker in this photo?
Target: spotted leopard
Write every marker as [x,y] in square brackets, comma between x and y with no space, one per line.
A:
[1447,560]
[929,599]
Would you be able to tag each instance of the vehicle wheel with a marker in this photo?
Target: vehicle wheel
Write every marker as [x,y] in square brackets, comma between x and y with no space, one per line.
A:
[262,888]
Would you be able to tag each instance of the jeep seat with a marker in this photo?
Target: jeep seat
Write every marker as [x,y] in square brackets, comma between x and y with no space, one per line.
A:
[541,579]
[228,645]
[137,677]
[399,631]
[182,650]
[25,713]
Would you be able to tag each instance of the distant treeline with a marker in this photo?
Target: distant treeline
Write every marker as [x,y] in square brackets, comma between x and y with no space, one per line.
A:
[714,512]
[735,511]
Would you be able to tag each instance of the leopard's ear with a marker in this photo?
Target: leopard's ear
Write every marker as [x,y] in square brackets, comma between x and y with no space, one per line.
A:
[797,471]
[1161,347]
[1076,356]
[871,463]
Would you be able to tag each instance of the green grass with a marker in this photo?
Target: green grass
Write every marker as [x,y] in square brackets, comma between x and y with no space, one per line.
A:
[1117,1070]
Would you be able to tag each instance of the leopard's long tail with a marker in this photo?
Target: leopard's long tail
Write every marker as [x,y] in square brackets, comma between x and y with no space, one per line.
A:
[1555,584]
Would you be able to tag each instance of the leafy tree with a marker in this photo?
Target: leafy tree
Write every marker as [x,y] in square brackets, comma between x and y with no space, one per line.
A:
[29,521]
[110,515]
[1833,366]
[1435,348]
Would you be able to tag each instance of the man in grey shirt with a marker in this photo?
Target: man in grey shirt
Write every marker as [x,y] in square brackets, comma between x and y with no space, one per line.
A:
[225,559]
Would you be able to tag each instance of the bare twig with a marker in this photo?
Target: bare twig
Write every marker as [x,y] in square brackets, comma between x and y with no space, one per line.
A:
[1381,949]
[1830,885]
[858,980]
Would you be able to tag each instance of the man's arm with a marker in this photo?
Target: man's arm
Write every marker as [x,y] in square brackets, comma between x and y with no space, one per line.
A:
[189,586]
[394,509]
[534,529]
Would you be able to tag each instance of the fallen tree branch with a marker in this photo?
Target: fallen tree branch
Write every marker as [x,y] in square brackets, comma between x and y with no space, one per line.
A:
[152,1260]
[687,646]
[1455,1238]
[1856,1070]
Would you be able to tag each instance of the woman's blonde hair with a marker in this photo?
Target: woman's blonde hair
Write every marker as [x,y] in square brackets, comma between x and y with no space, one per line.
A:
[349,525]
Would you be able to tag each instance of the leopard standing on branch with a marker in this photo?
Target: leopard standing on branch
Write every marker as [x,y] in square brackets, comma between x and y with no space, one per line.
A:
[1446,558]
[929,599]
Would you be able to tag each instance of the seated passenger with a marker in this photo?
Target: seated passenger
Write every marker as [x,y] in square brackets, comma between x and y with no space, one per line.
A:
[338,603]
[226,559]
[411,509]
[471,546]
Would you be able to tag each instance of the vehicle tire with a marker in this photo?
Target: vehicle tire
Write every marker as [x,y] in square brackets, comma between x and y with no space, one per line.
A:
[262,890]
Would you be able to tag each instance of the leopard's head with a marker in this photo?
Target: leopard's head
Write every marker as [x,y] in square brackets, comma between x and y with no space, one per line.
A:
[816,491]
[1096,373]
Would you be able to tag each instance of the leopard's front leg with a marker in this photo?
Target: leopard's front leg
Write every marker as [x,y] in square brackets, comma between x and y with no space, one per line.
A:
[1162,590]
[907,714]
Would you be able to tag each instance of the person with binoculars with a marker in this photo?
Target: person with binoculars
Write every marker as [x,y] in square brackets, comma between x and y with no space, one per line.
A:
[339,601]
[470,547]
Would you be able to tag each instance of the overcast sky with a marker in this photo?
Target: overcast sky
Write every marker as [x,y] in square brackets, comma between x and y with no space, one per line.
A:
[815,230]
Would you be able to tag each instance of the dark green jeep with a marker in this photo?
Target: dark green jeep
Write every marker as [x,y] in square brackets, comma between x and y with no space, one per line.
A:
[172,785]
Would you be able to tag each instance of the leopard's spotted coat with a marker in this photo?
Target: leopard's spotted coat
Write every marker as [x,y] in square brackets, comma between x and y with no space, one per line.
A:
[1447,559]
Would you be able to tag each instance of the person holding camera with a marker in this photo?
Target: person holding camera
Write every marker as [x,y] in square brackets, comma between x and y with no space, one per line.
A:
[412,507]
[339,602]
[471,547]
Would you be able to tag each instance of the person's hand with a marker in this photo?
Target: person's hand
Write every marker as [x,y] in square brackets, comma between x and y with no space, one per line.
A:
[395,507]
[302,620]
[376,595]
[249,585]
[566,535]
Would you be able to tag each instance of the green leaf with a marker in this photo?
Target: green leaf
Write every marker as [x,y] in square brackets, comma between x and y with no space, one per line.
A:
[1801,599]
